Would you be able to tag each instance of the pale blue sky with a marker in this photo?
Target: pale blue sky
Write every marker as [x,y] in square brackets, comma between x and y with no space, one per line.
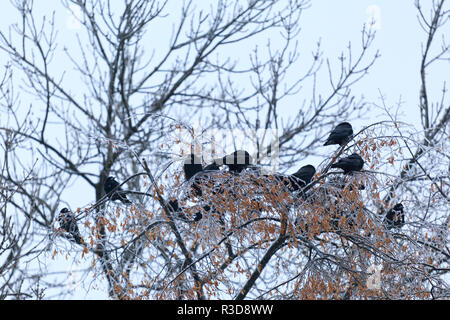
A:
[395,74]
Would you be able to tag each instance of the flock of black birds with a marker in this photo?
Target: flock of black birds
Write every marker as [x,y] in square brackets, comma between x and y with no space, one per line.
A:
[237,162]
[340,135]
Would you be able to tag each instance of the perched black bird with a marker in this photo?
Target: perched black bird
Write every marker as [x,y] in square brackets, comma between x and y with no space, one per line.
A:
[68,223]
[342,183]
[193,169]
[211,167]
[339,223]
[349,164]
[237,161]
[192,166]
[198,215]
[305,173]
[114,192]
[302,177]
[395,218]
[340,135]
[173,206]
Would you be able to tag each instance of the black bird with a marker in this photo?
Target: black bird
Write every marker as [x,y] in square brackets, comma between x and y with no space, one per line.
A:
[349,164]
[395,218]
[192,166]
[114,192]
[302,177]
[342,183]
[204,177]
[340,135]
[68,223]
[198,215]
[173,206]
[211,167]
[237,161]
